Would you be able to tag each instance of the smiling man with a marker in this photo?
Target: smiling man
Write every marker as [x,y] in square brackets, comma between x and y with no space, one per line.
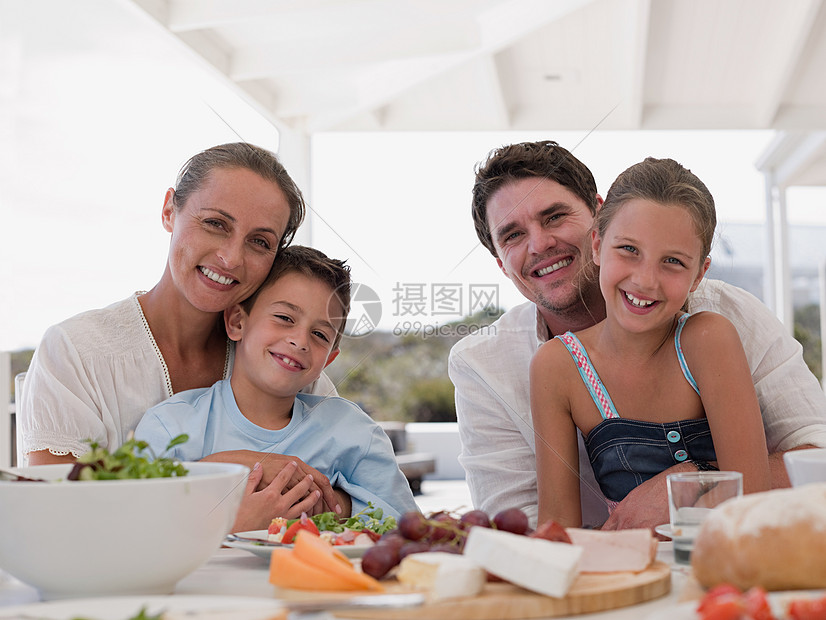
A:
[533,207]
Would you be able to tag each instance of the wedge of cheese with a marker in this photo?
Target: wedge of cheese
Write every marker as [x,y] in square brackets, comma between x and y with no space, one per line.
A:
[314,564]
[614,551]
[535,564]
[443,575]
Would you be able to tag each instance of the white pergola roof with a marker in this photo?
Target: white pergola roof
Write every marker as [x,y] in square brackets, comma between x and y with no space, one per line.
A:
[398,65]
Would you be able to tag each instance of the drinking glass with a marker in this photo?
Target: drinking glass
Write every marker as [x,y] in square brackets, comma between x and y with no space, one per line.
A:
[691,497]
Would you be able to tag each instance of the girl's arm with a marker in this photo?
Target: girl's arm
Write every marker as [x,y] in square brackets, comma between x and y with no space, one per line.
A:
[557,456]
[715,356]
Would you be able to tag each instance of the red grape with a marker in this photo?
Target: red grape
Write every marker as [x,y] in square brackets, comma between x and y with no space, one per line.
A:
[379,559]
[417,546]
[511,520]
[413,526]
[392,538]
[475,517]
[443,527]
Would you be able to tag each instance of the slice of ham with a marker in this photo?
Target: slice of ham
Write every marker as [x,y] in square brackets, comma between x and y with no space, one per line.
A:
[614,551]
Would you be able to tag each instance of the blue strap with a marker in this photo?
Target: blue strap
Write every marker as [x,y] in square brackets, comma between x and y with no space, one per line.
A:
[686,372]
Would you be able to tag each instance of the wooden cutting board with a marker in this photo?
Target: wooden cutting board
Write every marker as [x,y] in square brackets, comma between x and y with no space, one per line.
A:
[590,593]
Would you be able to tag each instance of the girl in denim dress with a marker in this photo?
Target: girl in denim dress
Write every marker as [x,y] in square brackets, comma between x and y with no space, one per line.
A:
[650,386]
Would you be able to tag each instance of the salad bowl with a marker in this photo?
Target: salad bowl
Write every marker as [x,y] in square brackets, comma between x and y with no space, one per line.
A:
[115,537]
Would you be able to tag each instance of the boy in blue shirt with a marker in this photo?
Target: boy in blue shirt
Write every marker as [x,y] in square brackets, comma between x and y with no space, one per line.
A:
[286,333]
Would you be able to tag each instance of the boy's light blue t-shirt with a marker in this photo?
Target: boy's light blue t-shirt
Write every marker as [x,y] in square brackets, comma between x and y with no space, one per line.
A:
[330,434]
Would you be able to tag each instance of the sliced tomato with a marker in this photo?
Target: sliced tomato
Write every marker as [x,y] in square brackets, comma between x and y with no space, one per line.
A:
[723,602]
[757,605]
[808,609]
[304,523]
[723,590]
[726,607]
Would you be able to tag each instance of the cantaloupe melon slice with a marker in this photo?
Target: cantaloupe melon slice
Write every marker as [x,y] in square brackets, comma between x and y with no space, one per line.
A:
[314,564]
[287,571]
[317,552]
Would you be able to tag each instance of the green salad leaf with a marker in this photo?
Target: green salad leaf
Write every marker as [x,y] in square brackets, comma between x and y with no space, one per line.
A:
[133,459]
[371,518]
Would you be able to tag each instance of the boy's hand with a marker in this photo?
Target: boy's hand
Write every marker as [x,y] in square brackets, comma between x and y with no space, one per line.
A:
[273,464]
[259,508]
[344,502]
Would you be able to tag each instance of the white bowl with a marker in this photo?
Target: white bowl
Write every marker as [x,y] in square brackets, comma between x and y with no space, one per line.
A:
[806,466]
[115,537]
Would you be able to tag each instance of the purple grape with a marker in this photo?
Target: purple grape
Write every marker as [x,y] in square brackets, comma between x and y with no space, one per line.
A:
[511,520]
[413,547]
[443,527]
[473,518]
[413,526]
[378,560]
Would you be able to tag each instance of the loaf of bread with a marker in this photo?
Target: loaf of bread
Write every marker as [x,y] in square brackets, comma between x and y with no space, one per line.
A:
[775,539]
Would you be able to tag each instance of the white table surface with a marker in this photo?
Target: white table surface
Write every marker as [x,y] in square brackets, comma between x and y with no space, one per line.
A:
[235,572]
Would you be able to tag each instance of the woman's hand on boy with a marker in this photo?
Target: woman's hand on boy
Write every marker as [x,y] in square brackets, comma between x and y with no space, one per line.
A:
[272,465]
[260,507]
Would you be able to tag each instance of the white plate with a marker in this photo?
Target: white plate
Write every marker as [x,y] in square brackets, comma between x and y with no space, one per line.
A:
[778,601]
[664,530]
[265,550]
[121,608]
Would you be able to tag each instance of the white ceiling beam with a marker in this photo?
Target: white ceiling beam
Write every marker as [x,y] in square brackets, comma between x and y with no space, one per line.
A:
[800,117]
[778,75]
[379,88]
[496,98]
[311,55]
[715,116]
[635,64]
[790,154]
[208,49]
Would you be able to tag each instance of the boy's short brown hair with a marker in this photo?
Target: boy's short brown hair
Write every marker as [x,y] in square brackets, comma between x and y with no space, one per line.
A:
[313,264]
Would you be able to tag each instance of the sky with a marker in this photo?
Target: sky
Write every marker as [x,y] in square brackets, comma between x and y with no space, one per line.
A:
[97,115]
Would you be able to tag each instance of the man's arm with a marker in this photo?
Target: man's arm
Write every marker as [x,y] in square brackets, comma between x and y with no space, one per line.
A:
[498,460]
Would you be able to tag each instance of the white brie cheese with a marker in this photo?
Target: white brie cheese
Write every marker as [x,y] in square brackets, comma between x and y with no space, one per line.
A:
[535,564]
[444,575]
